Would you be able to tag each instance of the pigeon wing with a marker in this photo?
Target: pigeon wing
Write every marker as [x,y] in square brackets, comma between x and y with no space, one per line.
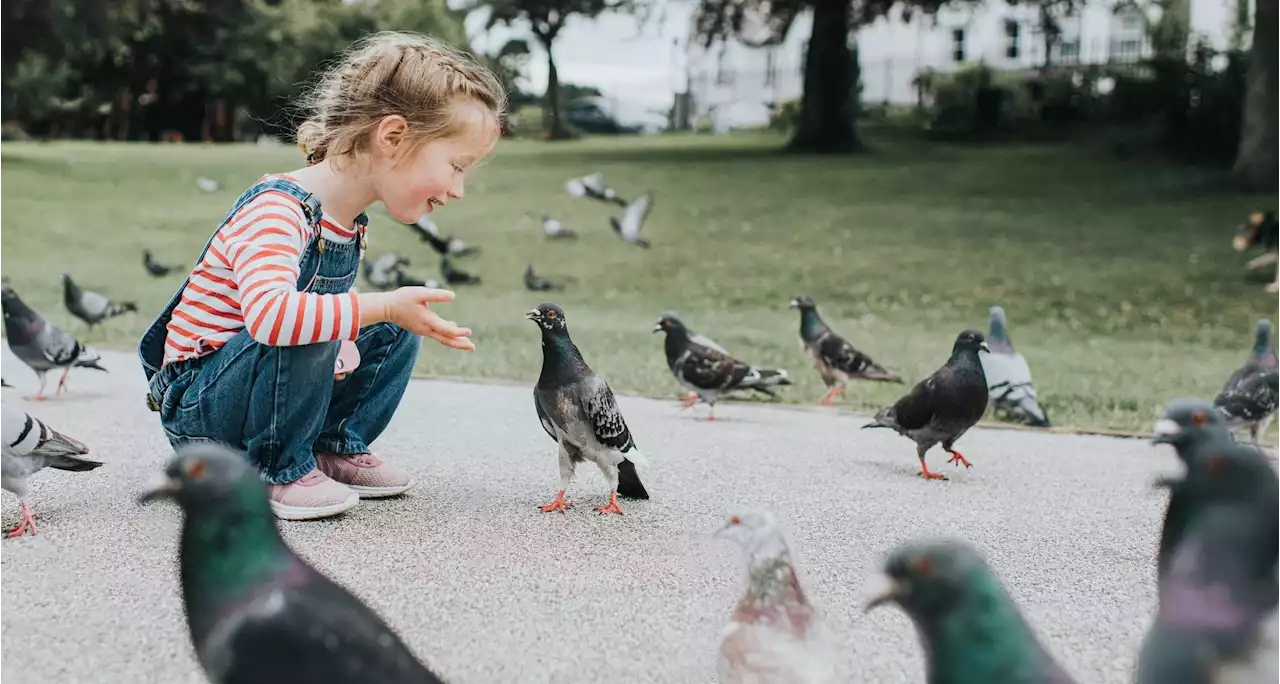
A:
[838,353]
[601,410]
[918,407]
[1252,398]
[634,216]
[93,303]
[57,346]
[707,368]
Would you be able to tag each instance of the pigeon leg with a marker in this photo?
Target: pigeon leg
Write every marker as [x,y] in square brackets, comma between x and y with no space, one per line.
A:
[689,401]
[40,392]
[829,397]
[27,523]
[711,414]
[62,382]
[566,474]
[558,505]
[612,506]
[924,469]
[958,458]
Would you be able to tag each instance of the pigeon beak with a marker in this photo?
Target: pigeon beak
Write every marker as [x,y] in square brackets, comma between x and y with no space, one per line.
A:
[982,346]
[1165,431]
[883,589]
[1166,482]
[657,327]
[795,304]
[161,487]
[533,315]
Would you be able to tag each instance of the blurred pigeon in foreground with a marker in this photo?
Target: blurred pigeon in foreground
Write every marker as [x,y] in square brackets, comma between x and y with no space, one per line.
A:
[154,267]
[553,228]
[633,218]
[577,409]
[1249,397]
[774,635]
[41,345]
[456,276]
[971,629]
[257,613]
[536,283]
[592,185]
[1009,377]
[91,307]
[428,231]
[709,372]
[29,446]
[836,360]
[943,406]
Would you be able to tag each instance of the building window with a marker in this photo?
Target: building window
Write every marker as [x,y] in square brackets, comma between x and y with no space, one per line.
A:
[957,45]
[724,74]
[1069,51]
[1011,39]
[771,66]
[1126,50]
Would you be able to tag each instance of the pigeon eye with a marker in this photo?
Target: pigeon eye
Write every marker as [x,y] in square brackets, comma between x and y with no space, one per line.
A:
[1200,418]
[195,468]
[551,314]
[735,520]
[924,566]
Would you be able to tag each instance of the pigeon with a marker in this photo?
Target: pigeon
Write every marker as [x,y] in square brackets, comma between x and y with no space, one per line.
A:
[554,229]
[536,283]
[577,409]
[971,629]
[633,217]
[836,360]
[387,273]
[1249,397]
[453,276]
[207,184]
[710,373]
[40,344]
[1216,619]
[774,634]
[592,185]
[30,445]
[258,613]
[427,230]
[4,383]
[89,306]
[1009,376]
[943,406]
[154,267]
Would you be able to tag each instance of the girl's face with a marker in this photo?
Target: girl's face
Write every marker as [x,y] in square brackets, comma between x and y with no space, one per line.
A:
[434,173]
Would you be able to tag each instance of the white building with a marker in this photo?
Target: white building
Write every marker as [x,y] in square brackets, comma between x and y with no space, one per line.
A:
[734,85]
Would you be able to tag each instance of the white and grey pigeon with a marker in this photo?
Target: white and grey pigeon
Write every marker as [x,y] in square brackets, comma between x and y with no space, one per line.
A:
[633,218]
[592,185]
[29,446]
[89,306]
[428,231]
[711,373]
[578,411]
[387,273]
[1011,392]
[1250,396]
[207,184]
[774,635]
[42,345]
[556,230]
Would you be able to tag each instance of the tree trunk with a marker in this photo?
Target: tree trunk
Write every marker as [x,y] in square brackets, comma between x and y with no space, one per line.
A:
[554,116]
[826,108]
[1256,160]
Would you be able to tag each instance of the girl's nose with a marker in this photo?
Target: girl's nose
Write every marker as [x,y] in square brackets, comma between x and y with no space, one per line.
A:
[457,191]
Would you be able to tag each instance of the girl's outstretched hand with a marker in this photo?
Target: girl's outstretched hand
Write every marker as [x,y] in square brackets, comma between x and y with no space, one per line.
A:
[410,308]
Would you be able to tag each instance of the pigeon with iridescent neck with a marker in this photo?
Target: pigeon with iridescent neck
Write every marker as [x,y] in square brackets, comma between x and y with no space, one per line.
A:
[1011,392]
[256,611]
[836,360]
[1250,396]
[971,629]
[774,634]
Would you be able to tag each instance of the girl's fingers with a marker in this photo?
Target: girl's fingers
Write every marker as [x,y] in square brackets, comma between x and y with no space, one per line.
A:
[460,343]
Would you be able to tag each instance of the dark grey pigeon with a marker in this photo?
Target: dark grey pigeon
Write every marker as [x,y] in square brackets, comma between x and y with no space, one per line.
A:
[971,629]
[577,409]
[29,446]
[456,276]
[836,360]
[154,267]
[592,185]
[257,613]
[633,218]
[710,373]
[383,273]
[943,406]
[89,306]
[1250,396]
[536,283]
[1216,621]
[429,232]
[40,344]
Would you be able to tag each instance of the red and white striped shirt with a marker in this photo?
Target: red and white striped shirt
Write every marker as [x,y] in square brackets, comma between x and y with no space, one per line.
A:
[249,278]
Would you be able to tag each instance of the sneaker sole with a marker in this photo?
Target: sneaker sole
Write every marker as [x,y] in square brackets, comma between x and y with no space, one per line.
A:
[382,492]
[286,512]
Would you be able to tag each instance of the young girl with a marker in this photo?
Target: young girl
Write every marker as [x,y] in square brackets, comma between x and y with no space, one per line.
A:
[247,351]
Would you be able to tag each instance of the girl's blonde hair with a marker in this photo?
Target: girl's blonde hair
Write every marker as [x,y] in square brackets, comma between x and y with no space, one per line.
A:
[392,73]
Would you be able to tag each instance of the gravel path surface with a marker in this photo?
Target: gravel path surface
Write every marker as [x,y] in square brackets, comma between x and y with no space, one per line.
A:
[486,588]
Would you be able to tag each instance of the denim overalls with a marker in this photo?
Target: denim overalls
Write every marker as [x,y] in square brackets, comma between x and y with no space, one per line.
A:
[281,403]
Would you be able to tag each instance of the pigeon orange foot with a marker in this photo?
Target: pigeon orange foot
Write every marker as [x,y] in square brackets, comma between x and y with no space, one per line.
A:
[28,522]
[611,507]
[558,505]
[924,472]
[958,459]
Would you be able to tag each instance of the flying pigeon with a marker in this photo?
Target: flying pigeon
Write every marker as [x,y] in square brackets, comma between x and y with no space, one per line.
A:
[89,306]
[428,231]
[29,446]
[592,185]
[577,409]
[774,634]
[633,218]
[553,228]
[708,372]
[207,184]
[40,344]
[943,406]
[1249,397]
[836,360]
[1009,376]
[256,611]
[536,283]
[154,267]
[971,629]
[454,276]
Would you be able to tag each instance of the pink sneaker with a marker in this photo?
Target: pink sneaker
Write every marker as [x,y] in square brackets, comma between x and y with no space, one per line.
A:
[369,476]
[311,496]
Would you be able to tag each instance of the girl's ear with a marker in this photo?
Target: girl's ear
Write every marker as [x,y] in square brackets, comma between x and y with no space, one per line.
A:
[389,135]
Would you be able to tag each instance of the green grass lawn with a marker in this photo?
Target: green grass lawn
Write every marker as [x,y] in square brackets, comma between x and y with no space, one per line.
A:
[1118,278]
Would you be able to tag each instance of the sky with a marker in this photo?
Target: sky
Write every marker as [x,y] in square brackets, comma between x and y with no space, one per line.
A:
[635,66]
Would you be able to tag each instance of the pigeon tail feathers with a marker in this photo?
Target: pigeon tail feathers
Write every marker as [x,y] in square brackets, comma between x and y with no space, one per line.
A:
[629,485]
